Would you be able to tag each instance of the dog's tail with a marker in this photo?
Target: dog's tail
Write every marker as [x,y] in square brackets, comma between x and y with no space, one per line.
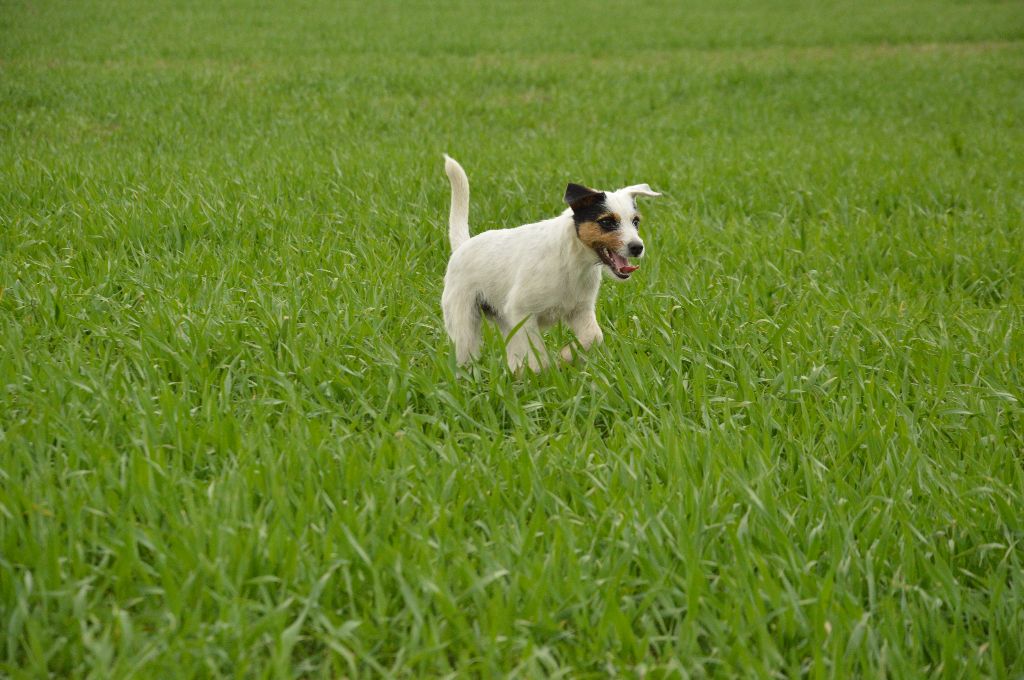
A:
[458,221]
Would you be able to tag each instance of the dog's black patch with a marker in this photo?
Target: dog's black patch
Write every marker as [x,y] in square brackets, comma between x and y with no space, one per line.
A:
[486,308]
[577,194]
[587,204]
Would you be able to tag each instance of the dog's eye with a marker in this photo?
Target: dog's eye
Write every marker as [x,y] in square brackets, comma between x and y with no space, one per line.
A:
[607,223]
[636,221]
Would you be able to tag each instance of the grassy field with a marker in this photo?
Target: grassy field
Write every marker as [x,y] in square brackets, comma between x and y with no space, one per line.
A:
[232,439]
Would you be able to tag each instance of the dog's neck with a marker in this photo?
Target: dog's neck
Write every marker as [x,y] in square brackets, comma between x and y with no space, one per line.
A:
[583,259]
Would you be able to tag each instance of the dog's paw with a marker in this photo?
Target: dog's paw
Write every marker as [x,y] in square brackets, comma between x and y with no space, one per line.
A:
[567,354]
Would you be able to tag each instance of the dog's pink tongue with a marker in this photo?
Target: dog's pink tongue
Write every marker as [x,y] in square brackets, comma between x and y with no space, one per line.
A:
[623,264]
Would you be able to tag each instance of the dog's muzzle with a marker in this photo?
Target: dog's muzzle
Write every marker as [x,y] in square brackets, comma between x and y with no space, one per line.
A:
[619,265]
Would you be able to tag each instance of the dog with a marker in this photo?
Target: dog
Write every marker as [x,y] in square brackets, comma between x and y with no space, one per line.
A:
[528,278]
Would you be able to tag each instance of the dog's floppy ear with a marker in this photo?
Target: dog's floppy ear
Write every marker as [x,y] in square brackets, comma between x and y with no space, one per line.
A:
[639,190]
[579,196]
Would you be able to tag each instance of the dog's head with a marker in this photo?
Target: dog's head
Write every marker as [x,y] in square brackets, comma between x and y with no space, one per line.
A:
[608,223]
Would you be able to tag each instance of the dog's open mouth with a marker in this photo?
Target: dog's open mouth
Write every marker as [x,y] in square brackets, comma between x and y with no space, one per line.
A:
[619,265]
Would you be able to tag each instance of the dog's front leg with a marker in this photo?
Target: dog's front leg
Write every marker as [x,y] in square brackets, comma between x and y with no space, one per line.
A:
[588,333]
[525,345]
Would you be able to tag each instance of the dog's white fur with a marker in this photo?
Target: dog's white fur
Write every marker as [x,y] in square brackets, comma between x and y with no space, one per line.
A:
[529,277]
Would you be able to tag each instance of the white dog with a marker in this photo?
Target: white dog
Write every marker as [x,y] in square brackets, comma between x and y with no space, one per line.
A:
[528,278]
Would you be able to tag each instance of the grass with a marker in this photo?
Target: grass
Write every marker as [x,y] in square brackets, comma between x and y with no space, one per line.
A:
[232,439]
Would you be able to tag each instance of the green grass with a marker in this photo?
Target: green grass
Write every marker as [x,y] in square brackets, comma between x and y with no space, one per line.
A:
[232,439]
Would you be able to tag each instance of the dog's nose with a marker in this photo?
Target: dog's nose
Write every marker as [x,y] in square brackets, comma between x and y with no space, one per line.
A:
[635,249]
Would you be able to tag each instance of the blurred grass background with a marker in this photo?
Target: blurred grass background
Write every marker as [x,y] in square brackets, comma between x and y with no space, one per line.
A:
[232,441]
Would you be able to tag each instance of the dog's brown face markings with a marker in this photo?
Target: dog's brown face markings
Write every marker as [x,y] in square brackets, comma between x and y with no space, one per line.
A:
[596,234]
[595,225]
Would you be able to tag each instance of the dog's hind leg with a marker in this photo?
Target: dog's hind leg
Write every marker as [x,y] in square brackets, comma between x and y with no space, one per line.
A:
[462,321]
[525,345]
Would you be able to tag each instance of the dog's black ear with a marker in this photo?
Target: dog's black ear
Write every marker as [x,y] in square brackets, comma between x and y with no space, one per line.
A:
[579,196]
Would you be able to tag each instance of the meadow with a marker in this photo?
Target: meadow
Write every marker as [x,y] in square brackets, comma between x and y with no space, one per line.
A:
[233,441]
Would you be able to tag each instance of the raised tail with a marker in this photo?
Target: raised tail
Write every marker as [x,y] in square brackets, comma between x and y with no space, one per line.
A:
[458,221]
